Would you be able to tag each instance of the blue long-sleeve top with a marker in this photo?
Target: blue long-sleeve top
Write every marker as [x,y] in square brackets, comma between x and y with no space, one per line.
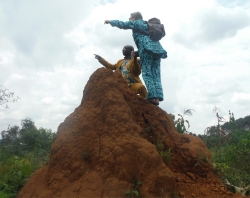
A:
[142,41]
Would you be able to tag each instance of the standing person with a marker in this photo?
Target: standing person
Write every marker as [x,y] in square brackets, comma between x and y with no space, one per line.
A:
[150,53]
[130,69]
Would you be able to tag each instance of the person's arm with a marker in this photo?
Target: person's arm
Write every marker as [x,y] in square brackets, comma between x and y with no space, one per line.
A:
[136,68]
[105,63]
[121,24]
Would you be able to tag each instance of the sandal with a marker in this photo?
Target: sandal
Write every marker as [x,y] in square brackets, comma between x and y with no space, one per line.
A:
[153,101]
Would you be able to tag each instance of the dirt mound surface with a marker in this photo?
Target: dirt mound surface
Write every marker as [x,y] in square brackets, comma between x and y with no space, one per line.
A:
[116,141]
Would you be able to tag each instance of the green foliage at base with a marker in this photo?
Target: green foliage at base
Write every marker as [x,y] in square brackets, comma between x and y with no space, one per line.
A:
[22,152]
[14,174]
[231,152]
[202,157]
[233,161]
[165,154]
[134,192]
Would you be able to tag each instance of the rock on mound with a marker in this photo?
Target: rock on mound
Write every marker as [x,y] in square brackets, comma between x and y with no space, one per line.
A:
[110,141]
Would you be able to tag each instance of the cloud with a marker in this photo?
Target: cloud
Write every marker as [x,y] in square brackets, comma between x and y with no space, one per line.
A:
[47,100]
[211,25]
[104,2]
[241,98]
[223,23]
[36,30]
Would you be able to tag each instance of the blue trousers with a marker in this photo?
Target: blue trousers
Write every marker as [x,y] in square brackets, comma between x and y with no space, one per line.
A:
[151,74]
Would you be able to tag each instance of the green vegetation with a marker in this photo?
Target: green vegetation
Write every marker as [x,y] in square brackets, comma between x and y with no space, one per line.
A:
[229,144]
[202,157]
[134,192]
[165,154]
[177,194]
[180,122]
[22,151]
[230,147]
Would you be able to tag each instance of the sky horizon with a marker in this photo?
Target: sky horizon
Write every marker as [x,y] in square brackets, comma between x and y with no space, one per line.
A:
[46,56]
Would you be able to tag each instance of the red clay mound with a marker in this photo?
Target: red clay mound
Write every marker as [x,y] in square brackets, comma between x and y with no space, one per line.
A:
[110,142]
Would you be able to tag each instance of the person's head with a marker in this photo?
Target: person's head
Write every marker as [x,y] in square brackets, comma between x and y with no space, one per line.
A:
[135,16]
[127,49]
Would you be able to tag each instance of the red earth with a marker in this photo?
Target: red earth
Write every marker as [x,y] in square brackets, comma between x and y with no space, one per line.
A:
[111,140]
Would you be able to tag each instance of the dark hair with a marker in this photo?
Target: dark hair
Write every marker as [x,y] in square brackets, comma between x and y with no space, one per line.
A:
[137,15]
[130,47]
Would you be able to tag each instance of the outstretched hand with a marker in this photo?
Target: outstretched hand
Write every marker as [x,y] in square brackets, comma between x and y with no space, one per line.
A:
[106,21]
[97,57]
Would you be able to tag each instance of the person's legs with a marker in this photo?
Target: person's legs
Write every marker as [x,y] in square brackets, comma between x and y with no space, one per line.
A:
[139,88]
[146,61]
[156,74]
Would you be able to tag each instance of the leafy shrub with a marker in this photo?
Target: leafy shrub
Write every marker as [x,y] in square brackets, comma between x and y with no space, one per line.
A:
[14,174]
[180,122]
[165,154]
[22,151]
[231,150]
[232,161]
[134,191]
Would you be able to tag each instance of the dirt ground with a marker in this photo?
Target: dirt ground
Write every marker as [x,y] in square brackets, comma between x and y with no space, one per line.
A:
[111,140]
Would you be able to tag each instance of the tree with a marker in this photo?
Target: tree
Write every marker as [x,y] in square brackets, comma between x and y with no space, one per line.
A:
[10,135]
[22,151]
[6,96]
[18,141]
[230,147]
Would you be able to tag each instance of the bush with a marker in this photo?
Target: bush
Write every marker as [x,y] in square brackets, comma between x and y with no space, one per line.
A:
[14,174]
[22,151]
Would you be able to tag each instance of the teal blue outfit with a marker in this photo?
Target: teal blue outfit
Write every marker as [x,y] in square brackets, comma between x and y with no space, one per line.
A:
[150,53]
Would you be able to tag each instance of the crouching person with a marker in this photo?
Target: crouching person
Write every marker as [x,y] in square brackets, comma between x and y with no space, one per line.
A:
[130,69]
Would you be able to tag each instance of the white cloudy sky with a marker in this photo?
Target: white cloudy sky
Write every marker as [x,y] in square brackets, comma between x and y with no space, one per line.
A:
[47,47]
